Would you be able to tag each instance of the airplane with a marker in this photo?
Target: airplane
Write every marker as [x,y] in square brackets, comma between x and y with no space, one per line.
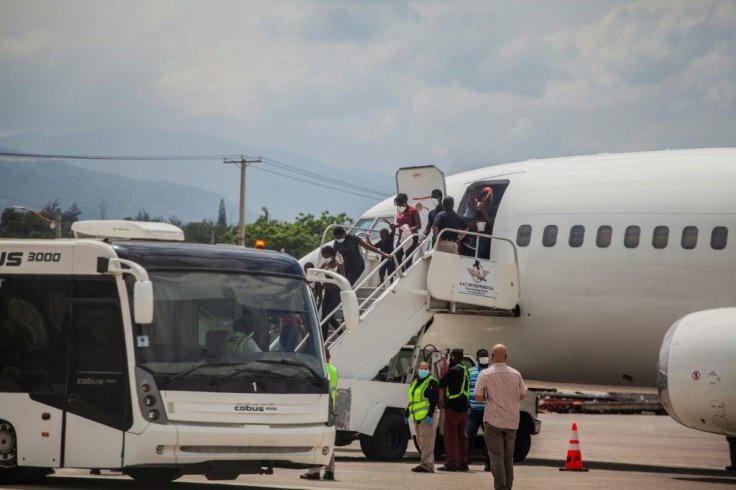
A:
[627,278]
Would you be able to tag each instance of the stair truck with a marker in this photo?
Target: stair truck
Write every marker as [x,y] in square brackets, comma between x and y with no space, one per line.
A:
[380,342]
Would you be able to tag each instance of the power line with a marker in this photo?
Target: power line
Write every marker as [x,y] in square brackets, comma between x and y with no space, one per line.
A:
[374,198]
[115,157]
[362,191]
[292,168]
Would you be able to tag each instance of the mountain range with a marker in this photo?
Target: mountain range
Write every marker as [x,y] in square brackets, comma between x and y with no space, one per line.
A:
[189,189]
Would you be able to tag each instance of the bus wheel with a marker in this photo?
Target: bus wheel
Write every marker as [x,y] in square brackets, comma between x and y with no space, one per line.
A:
[8,446]
[154,476]
[389,441]
[9,471]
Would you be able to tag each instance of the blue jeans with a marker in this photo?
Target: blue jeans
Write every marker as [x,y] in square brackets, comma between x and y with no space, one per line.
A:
[475,421]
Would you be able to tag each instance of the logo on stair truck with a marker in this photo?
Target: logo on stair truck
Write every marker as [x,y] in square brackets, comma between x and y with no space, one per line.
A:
[477,277]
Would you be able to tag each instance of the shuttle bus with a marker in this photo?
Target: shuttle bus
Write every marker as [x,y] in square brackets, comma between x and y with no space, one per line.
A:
[125,349]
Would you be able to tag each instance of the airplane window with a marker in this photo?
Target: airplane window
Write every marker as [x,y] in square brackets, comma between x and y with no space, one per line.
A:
[549,237]
[524,236]
[719,237]
[603,239]
[689,237]
[660,236]
[577,233]
[631,237]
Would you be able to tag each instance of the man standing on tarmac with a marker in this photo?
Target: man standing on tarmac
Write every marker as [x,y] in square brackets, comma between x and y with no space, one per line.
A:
[424,395]
[475,414]
[313,473]
[502,388]
[457,393]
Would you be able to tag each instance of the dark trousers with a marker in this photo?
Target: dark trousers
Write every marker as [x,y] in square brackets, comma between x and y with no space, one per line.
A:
[500,444]
[330,301]
[354,272]
[475,421]
[456,442]
[401,253]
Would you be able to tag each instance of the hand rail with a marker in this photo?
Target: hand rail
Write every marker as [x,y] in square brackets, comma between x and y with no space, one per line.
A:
[397,272]
[481,235]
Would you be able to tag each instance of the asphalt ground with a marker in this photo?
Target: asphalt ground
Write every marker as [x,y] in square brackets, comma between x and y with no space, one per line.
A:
[620,451]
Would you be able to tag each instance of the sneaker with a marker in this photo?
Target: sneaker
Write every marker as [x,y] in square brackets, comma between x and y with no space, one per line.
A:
[420,469]
[309,476]
[447,468]
[328,475]
[463,467]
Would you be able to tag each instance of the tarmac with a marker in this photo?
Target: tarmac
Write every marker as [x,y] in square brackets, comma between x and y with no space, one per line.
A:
[620,451]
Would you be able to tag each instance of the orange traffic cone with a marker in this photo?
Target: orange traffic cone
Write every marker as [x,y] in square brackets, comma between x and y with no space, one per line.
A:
[574,460]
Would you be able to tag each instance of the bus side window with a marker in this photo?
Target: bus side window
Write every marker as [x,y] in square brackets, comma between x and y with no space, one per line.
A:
[33,349]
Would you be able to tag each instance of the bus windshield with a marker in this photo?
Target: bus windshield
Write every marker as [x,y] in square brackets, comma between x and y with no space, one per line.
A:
[218,331]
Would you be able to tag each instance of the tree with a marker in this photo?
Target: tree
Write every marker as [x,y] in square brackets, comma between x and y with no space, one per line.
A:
[69,217]
[296,238]
[221,214]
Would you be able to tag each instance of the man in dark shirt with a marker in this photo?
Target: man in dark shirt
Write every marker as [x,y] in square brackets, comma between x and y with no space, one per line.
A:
[437,200]
[349,247]
[457,401]
[448,218]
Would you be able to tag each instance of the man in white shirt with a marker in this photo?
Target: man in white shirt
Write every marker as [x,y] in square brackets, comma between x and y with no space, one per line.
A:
[501,387]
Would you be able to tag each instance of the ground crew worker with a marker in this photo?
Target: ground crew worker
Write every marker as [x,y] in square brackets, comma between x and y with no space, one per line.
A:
[475,414]
[424,395]
[241,340]
[313,473]
[456,382]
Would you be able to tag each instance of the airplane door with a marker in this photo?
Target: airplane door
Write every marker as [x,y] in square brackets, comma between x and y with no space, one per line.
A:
[417,183]
[98,406]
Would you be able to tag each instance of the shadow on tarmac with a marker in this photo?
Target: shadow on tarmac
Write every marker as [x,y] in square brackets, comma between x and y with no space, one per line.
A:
[78,483]
[723,475]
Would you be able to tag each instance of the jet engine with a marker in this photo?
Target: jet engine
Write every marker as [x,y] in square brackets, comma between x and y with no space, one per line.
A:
[696,375]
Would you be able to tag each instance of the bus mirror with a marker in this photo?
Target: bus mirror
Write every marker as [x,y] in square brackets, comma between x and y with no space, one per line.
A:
[350,309]
[143,302]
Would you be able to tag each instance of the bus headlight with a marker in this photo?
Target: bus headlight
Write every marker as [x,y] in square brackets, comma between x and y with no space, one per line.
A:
[153,414]
[149,401]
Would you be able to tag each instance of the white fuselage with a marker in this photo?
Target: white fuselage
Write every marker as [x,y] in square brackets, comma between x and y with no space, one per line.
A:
[596,315]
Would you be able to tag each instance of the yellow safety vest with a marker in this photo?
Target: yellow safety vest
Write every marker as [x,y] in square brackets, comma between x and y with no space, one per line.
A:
[236,342]
[332,373]
[464,389]
[418,403]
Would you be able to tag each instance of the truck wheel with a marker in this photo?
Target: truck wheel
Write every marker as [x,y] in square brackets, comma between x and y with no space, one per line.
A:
[523,442]
[389,441]
[154,476]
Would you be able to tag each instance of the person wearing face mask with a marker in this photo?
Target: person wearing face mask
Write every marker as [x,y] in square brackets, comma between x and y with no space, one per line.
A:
[329,294]
[436,208]
[424,396]
[475,414]
[408,222]
[349,248]
[456,383]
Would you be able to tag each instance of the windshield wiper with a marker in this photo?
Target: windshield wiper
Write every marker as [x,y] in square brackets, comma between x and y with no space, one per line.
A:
[249,369]
[289,362]
[191,369]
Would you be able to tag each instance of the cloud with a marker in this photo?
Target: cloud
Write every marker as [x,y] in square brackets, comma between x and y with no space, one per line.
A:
[381,83]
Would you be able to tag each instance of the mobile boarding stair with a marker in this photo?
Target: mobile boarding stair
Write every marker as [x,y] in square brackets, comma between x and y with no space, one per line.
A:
[396,314]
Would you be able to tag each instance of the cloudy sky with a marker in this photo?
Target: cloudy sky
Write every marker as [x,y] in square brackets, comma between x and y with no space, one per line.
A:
[379,83]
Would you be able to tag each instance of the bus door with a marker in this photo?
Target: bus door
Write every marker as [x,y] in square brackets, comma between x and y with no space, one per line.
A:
[98,405]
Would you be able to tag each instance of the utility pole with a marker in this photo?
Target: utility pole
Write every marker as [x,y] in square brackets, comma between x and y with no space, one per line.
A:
[242,163]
